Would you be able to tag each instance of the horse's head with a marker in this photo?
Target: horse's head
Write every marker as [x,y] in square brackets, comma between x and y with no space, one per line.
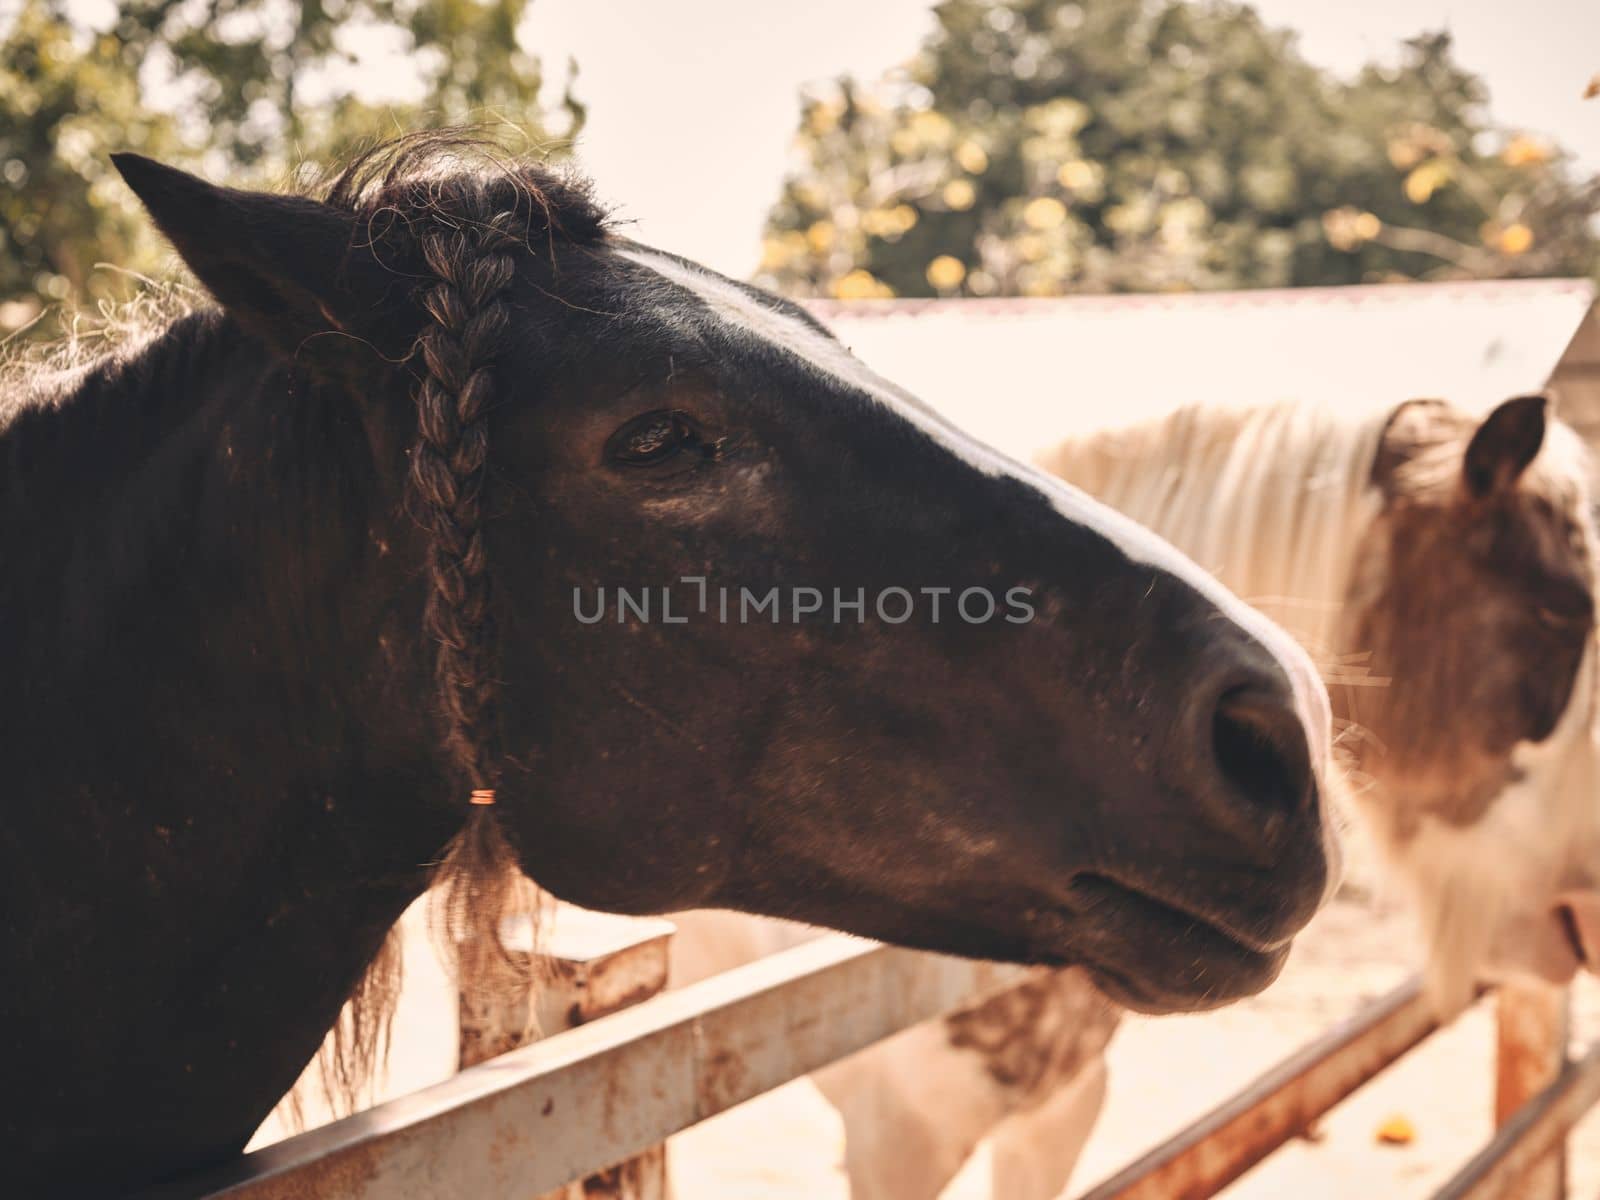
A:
[867,673]
[1478,601]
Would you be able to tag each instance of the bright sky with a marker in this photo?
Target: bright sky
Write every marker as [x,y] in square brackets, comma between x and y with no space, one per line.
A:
[692,102]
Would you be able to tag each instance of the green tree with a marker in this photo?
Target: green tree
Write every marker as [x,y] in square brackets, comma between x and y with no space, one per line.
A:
[1042,146]
[64,106]
[244,89]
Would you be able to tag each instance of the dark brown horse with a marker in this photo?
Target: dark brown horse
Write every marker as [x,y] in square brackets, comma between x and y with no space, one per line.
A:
[290,584]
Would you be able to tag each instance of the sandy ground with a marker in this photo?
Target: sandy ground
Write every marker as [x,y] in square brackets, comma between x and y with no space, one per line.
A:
[1164,1072]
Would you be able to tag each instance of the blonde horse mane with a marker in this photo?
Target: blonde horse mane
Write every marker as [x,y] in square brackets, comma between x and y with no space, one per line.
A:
[1273,499]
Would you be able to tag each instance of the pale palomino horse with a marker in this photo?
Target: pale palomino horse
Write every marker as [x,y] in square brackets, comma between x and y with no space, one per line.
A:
[1441,569]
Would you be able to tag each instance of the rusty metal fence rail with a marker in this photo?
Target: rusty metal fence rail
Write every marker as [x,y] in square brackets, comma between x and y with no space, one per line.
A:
[1205,1157]
[540,1117]
[1539,1097]
[585,1113]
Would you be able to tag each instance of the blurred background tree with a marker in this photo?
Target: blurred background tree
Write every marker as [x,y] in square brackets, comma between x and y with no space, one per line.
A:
[247,90]
[1035,147]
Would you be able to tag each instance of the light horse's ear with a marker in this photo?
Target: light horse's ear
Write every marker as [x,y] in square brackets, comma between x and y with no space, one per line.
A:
[1504,445]
[275,262]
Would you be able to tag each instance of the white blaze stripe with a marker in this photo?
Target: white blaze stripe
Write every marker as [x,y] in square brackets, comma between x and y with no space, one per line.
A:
[828,357]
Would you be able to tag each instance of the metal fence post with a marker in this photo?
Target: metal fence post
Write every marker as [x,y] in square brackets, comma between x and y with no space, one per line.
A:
[1531,1029]
[589,966]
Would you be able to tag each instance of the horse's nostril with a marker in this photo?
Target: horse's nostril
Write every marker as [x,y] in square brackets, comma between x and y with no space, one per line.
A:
[1260,749]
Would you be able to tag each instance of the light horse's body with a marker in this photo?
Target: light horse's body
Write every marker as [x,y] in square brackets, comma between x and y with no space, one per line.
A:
[1337,525]
[287,632]
[1451,605]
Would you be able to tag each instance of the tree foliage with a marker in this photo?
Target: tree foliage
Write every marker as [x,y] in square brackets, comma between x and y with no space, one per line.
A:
[246,89]
[1037,147]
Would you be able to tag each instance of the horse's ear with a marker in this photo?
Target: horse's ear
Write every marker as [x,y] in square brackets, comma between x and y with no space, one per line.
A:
[1411,428]
[273,261]
[1504,445]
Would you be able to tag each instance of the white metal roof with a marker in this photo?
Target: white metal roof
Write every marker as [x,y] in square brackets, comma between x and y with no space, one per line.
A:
[1021,374]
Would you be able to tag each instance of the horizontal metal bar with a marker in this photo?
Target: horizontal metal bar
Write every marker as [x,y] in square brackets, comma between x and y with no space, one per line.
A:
[546,1114]
[1205,1157]
[1540,1125]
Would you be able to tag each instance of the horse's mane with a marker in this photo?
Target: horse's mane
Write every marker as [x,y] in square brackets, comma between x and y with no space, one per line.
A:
[36,370]
[450,212]
[1271,498]
[1276,499]
[454,210]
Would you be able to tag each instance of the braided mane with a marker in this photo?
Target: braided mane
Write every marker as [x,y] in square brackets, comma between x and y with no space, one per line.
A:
[454,213]
[474,264]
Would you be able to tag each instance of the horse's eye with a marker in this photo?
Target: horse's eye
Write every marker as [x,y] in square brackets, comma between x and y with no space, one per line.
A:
[652,439]
[1567,609]
[1552,618]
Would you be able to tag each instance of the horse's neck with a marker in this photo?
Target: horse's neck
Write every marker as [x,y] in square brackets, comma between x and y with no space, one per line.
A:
[1274,500]
[198,512]
[1466,877]
[217,798]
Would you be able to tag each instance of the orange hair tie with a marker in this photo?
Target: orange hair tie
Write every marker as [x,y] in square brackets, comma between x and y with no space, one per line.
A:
[483,796]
